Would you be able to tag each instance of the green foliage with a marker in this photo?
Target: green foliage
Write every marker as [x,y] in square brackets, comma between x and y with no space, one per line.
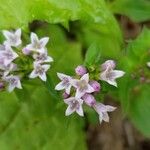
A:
[34,117]
[31,120]
[134,94]
[137,10]
[92,55]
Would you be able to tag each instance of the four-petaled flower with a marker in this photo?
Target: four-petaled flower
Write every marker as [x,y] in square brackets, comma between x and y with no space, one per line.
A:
[7,55]
[109,75]
[82,86]
[74,105]
[12,38]
[103,110]
[37,45]
[65,83]
[14,82]
[39,71]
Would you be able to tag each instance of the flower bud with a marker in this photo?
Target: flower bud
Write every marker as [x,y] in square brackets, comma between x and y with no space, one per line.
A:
[2,86]
[65,95]
[89,99]
[108,64]
[96,86]
[26,51]
[80,70]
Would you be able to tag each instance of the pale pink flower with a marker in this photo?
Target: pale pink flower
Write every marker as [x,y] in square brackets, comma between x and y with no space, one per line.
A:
[65,83]
[13,81]
[12,38]
[7,55]
[82,86]
[39,71]
[103,110]
[37,45]
[74,105]
[109,75]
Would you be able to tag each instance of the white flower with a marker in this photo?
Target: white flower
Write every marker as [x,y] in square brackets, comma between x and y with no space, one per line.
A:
[65,83]
[148,64]
[39,71]
[82,86]
[7,69]
[42,57]
[103,110]
[7,55]
[14,82]
[74,105]
[13,38]
[109,75]
[37,45]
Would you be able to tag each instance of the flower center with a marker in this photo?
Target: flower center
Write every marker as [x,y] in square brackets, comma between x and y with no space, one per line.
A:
[82,85]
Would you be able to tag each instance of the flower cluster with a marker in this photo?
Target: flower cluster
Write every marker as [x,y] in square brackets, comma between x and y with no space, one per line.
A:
[17,61]
[81,89]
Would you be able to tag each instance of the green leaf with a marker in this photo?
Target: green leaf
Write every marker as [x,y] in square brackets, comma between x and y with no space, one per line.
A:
[18,13]
[139,110]
[137,10]
[92,55]
[35,123]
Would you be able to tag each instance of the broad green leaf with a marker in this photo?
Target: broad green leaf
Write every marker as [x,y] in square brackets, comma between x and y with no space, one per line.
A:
[137,10]
[35,123]
[18,13]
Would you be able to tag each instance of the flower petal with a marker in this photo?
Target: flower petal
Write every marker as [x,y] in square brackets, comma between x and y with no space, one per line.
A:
[80,111]
[59,86]
[105,116]
[34,38]
[33,74]
[90,89]
[43,77]
[44,41]
[85,77]
[69,111]
[110,108]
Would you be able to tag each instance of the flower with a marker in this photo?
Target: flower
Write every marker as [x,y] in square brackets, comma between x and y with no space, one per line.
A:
[109,75]
[80,70]
[108,64]
[96,86]
[39,71]
[89,99]
[12,38]
[13,81]
[7,55]
[37,45]
[42,57]
[74,105]
[65,83]
[103,110]
[7,69]
[82,86]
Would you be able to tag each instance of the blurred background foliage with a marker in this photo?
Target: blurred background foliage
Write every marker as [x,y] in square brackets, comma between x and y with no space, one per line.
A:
[33,118]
